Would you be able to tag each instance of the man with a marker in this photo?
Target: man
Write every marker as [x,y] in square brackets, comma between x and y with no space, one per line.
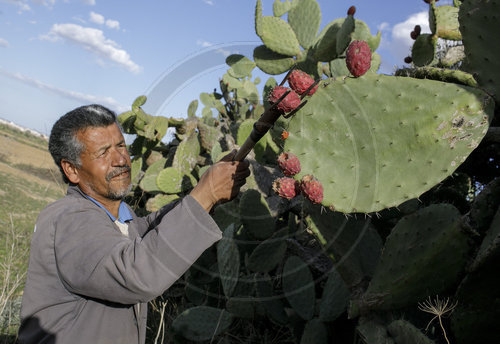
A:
[94,264]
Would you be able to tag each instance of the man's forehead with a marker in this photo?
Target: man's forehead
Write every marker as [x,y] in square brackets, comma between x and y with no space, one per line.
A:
[99,136]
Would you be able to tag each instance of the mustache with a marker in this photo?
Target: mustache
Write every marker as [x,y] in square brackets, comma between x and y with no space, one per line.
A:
[117,171]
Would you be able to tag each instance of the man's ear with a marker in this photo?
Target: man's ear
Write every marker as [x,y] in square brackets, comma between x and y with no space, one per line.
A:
[70,171]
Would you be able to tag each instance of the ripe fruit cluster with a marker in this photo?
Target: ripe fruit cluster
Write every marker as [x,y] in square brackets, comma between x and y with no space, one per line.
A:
[288,187]
[299,82]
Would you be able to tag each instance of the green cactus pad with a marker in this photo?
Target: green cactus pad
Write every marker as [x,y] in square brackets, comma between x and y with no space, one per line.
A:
[268,87]
[268,254]
[186,155]
[338,67]
[272,303]
[249,92]
[315,332]
[226,214]
[278,35]
[440,74]
[362,33]
[404,332]
[424,50]
[447,26]
[270,62]
[209,136]
[305,19]
[476,315]
[139,101]
[372,331]
[377,141]
[228,259]
[171,180]
[255,215]
[344,34]
[202,323]
[480,29]
[148,182]
[241,66]
[325,45]
[136,168]
[352,243]
[423,255]
[335,297]
[157,128]
[298,286]
[280,8]
[258,17]
[231,82]
[490,247]
[193,106]
[241,307]
[155,203]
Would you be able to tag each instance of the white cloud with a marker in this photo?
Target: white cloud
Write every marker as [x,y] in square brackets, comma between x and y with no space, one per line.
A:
[96,18]
[74,95]
[48,3]
[113,24]
[94,41]
[209,2]
[3,42]
[21,4]
[383,26]
[401,42]
[203,43]
[89,2]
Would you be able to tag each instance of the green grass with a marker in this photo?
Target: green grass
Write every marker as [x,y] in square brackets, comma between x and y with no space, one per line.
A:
[21,200]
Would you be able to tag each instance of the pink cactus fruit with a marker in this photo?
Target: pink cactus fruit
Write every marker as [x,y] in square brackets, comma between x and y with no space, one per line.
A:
[289,103]
[285,187]
[289,164]
[311,188]
[358,58]
[300,81]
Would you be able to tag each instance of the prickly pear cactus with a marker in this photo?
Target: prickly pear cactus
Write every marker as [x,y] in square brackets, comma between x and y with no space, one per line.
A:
[424,254]
[369,140]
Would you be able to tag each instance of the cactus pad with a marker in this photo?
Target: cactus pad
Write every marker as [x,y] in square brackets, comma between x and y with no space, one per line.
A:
[278,36]
[305,18]
[202,323]
[298,286]
[377,141]
[423,255]
[480,31]
[228,258]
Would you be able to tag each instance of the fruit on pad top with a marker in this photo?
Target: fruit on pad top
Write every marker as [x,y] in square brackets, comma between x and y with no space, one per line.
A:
[300,81]
[358,58]
[289,103]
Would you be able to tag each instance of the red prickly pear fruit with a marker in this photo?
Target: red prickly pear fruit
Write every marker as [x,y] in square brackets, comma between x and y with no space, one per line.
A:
[312,189]
[285,187]
[289,164]
[408,59]
[414,35]
[351,11]
[284,135]
[289,103]
[300,82]
[358,58]
[417,29]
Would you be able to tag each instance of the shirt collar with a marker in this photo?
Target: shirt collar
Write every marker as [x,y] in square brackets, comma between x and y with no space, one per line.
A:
[123,212]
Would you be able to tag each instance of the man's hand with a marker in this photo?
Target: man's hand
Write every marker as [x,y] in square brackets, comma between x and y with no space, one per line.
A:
[221,182]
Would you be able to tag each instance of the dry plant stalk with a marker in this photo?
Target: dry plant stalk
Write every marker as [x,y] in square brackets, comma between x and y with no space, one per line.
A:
[439,308]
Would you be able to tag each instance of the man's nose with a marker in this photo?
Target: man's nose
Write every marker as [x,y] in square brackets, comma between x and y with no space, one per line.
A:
[120,156]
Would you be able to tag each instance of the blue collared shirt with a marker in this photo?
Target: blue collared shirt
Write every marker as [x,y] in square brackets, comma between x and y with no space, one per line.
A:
[123,212]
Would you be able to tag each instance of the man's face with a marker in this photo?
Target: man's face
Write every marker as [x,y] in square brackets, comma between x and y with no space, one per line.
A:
[105,163]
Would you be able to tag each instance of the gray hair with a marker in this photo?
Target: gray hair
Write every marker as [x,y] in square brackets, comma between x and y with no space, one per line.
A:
[63,143]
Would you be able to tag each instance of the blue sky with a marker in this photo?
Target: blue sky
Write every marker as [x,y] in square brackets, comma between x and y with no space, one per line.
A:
[56,55]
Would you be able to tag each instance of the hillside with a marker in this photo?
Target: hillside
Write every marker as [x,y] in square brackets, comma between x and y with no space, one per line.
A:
[29,180]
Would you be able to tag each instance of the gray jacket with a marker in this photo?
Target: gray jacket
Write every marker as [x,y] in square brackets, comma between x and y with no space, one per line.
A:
[88,283]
